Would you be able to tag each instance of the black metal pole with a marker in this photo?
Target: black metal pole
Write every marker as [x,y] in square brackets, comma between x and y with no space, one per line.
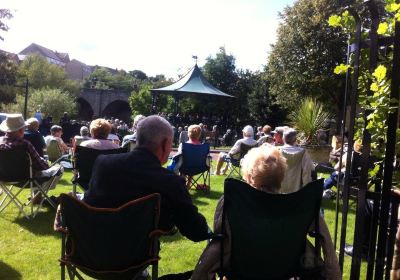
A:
[26,98]
[342,135]
[353,103]
[389,158]
[366,150]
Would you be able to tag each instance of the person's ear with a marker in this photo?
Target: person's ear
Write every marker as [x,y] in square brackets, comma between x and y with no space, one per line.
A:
[163,144]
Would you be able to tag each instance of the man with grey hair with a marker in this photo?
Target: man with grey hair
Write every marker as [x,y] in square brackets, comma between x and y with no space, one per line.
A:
[119,178]
[236,150]
[299,164]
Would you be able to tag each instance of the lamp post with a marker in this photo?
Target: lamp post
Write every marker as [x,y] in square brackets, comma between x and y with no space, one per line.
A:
[26,98]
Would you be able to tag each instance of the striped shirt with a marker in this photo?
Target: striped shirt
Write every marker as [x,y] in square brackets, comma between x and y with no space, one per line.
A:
[8,143]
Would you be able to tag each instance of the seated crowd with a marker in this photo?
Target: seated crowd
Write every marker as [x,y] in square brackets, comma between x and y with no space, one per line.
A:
[272,163]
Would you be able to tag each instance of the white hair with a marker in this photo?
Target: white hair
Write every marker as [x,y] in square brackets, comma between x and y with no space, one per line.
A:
[152,130]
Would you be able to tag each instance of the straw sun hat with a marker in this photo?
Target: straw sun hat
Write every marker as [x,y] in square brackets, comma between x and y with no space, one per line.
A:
[13,122]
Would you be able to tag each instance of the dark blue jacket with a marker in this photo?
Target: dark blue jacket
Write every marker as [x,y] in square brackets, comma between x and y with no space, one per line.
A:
[119,178]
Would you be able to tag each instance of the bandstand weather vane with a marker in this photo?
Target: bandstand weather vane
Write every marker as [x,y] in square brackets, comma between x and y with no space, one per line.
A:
[195,57]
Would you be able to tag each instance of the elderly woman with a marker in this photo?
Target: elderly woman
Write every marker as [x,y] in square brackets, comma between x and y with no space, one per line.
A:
[83,136]
[263,168]
[194,132]
[99,129]
[33,135]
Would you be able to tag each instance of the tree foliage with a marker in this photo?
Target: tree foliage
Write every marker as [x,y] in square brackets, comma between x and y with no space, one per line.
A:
[307,49]
[262,107]
[42,74]
[140,102]
[8,78]
[52,102]
[220,71]
[4,14]
[374,86]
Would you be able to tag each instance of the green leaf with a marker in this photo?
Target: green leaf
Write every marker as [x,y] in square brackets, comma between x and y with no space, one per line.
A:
[341,69]
[383,28]
[380,73]
[374,87]
[392,7]
[335,21]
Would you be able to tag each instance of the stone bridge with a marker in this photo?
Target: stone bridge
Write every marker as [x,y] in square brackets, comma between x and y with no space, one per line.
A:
[93,103]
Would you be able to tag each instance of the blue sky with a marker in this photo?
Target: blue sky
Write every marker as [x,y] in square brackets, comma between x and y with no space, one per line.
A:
[155,36]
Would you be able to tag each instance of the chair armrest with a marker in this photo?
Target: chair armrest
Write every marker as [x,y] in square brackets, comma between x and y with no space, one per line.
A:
[65,156]
[159,232]
[323,168]
[58,226]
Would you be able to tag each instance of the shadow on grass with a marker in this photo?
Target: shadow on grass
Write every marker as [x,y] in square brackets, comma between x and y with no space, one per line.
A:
[198,195]
[171,238]
[7,272]
[331,205]
[64,181]
[42,224]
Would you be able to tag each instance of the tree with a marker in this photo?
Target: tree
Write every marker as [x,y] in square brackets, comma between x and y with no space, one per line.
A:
[52,102]
[43,74]
[259,101]
[8,77]
[137,74]
[140,102]
[4,14]
[220,71]
[307,49]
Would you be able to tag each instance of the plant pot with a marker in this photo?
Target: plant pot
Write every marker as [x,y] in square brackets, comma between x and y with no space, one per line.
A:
[318,153]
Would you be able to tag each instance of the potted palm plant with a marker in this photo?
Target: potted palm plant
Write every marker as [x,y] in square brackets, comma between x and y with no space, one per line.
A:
[309,119]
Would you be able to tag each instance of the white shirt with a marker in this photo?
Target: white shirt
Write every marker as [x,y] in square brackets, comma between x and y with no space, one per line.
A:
[99,144]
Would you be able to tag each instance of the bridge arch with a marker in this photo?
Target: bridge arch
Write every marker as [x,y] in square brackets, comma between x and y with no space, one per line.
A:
[85,110]
[118,109]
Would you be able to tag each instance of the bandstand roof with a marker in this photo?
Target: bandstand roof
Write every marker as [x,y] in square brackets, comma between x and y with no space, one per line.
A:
[192,83]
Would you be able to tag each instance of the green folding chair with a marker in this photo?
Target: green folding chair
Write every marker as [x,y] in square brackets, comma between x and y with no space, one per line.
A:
[109,243]
[268,231]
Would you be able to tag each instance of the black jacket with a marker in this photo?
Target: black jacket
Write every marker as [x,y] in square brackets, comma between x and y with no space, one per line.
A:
[119,178]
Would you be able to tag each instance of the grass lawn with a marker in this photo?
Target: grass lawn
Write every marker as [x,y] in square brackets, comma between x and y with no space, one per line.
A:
[29,249]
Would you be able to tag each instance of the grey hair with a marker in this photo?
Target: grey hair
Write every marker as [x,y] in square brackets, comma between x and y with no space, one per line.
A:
[289,136]
[152,130]
[137,119]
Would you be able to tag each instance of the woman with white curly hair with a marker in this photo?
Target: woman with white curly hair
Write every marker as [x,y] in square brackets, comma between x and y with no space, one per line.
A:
[263,168]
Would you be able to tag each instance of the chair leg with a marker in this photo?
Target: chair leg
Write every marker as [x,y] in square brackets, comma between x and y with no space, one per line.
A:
[13,198]
[154,271]
[62,271]
[209,179]
[71,272]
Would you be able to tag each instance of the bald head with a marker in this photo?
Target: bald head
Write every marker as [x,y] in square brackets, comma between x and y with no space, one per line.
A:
[152,131]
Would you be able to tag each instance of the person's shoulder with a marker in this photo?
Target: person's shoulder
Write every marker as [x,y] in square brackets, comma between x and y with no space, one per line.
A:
[128,137]
[112,160]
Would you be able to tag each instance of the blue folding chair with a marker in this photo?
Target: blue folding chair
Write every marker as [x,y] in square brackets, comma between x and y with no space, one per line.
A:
[234,163]
[195,165]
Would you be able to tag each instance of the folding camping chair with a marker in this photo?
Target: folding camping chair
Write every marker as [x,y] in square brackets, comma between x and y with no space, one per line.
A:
[196,165]
[16,174]
[106,243]
[234,163]
[56,155]
[268,231]
[83,162]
